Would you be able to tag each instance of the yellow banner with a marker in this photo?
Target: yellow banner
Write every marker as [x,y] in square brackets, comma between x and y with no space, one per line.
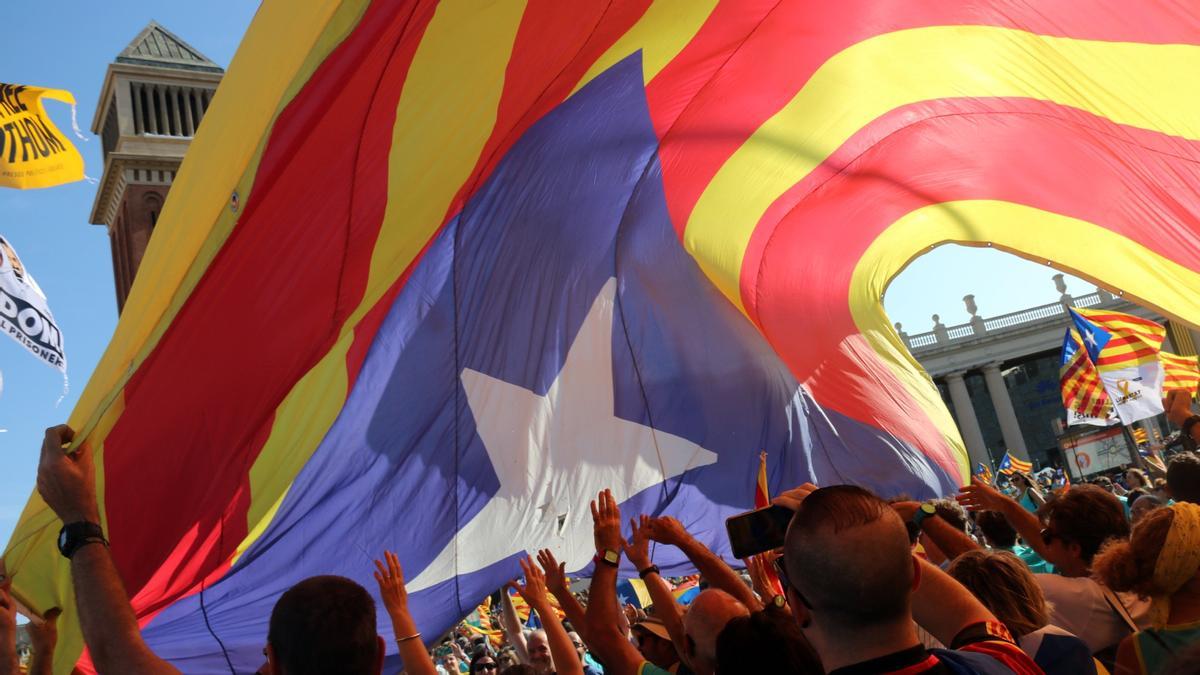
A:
[33,152]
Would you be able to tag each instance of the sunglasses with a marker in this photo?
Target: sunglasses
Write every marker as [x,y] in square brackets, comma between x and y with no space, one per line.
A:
[486,666]
[781,570]
[1049,535]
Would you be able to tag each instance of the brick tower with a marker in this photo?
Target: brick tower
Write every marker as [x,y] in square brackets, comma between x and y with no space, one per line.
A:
[155,93]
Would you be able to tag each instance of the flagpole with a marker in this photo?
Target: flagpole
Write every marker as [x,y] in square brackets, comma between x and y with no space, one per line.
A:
[1133,447]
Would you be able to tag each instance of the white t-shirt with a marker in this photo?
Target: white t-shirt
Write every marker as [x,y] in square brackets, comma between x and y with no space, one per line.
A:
[1078,606]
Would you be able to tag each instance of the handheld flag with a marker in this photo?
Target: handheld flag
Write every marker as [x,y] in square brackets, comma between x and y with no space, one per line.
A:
[33,152]
[762,494]
[1010,465]
[1124,349]
[1083,393]
[762,499]
[984,473]
[1139,436]
[1180,372]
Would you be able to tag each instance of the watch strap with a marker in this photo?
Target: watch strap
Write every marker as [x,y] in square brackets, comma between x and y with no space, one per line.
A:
[926,510]
[608,557]
[75,536]
[653,569]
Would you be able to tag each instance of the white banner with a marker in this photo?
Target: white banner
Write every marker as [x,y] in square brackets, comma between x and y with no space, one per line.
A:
[24,314]
[1136,391]
[1075,418]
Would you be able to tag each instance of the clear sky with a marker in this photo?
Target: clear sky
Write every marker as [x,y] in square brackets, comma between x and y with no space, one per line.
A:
[71,259]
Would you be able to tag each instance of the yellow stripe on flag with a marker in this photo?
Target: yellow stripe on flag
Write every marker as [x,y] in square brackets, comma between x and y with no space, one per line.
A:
[922,64]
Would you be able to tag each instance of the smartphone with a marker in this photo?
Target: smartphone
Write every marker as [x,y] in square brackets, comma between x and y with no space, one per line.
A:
[758,531]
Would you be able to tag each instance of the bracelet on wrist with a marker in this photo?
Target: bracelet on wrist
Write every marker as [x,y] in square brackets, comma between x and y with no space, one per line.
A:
[653,569]
[406,638]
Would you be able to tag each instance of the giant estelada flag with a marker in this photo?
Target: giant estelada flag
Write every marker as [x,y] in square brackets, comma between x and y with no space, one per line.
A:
[434,273]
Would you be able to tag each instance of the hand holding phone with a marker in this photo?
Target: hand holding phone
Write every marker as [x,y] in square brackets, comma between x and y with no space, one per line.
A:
[758,531]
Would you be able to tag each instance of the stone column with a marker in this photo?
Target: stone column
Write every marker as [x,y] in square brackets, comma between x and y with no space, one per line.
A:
[1004,411]
[968,424]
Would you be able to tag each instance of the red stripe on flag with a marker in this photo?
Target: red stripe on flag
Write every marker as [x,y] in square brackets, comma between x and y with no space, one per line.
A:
[202,403]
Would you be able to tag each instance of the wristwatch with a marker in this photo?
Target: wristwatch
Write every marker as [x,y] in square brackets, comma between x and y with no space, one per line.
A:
[608,557]
[74,536]
[926,510]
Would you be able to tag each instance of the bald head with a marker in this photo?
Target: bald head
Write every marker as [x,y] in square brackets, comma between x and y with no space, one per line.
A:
[703,622]
[847,552]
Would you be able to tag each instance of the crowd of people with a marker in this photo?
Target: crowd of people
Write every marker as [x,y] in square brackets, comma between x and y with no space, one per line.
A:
[1077,580]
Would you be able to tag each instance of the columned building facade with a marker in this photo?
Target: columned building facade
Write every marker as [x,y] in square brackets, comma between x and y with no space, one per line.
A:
[154,96]
[1000,375]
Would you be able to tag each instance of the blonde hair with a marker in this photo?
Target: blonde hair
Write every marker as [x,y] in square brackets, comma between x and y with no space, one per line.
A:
[1005,586]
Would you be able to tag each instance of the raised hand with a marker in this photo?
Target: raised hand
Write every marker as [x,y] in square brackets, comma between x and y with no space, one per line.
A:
[534,590]
[8,628]
[606,520]
[794,497]
[979,496]
[67,482]
[391,585]
[390,578]
[556,572]
[44,636]
[638,547]
[762,580]
[666,530]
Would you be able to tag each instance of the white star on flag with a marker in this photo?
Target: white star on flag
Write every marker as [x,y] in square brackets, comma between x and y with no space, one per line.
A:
[554,453]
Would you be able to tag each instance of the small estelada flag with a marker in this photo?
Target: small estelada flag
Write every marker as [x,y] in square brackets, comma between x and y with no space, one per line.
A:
[1010,465]
[984,473]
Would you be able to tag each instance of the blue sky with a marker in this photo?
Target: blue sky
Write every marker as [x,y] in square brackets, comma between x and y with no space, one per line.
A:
[69,257]
[71,260]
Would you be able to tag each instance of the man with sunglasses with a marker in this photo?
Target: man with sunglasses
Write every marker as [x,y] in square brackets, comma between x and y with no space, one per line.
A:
[856,588]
